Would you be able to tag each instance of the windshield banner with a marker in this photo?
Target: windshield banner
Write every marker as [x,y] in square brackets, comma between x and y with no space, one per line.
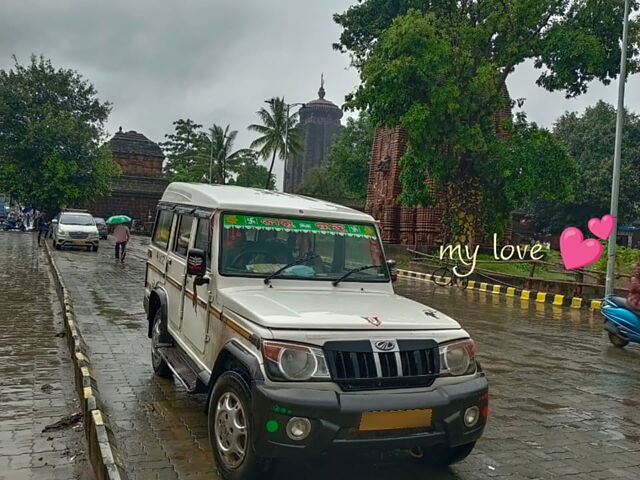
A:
[297,225]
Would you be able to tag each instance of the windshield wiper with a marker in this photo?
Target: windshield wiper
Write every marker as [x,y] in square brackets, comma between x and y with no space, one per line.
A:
[355,270]
[303,259]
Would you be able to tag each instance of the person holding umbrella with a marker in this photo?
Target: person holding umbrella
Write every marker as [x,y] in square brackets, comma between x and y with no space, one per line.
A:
[121,234]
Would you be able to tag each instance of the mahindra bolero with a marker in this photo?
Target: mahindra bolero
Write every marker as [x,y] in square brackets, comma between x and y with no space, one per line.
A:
[281,309]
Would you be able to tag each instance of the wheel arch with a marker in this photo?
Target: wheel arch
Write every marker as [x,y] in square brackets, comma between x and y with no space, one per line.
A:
[235,356]
[157,300]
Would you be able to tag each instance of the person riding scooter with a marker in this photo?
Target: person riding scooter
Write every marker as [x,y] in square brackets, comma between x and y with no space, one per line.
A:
[622,316]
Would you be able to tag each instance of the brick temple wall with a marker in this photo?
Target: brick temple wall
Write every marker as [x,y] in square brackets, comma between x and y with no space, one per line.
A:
[136,197]
[139,165]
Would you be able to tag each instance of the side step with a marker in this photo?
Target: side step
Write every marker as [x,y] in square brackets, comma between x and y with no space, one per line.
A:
[181,366]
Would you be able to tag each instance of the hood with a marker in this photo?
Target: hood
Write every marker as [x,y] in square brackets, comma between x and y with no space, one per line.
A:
[333,310]
[65,227]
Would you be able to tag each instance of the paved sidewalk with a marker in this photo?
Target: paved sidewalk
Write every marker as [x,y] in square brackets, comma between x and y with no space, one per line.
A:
[36,374]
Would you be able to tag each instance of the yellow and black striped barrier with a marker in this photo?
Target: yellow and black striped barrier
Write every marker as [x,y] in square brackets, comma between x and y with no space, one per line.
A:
[523,294]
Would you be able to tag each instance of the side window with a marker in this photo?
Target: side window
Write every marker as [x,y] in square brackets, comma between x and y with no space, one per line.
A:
[183,235]
[162,229]
[203,240]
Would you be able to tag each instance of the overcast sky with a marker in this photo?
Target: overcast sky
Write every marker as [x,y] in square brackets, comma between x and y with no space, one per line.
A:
[215,61]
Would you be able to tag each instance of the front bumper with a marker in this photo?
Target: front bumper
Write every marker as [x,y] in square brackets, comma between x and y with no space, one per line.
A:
[335,417]
[78,242]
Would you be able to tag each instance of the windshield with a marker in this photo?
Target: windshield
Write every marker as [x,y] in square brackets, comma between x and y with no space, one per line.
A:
[259,246]
[75,219]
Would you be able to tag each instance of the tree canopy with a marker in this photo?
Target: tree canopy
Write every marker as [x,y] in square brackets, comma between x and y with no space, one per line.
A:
[589,138]
[51,136]
[439,68]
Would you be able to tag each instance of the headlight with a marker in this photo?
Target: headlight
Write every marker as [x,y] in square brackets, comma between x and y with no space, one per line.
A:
[294,362]
[62,233]
[458,358]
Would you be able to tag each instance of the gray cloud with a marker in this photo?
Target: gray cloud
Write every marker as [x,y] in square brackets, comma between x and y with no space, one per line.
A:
[213,61]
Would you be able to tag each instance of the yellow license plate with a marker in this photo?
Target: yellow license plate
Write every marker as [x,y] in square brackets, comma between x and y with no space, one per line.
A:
[395,419]
[79,242]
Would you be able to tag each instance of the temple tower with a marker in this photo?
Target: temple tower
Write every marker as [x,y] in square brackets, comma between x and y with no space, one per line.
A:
[319,123]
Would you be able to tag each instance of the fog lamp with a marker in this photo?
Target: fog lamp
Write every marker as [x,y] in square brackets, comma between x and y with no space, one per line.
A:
[298,428]
[471,416]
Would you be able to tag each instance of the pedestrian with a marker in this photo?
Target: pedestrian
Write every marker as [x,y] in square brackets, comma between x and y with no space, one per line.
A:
[41,226]
[121,234]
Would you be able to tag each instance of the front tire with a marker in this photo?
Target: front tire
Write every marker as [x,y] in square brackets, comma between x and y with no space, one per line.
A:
[56,245]
[617,340]
[230,429]
[95,249]
[159,335]
[440,457]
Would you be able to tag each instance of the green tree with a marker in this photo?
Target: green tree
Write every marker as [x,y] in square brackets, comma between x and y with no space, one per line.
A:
[225,161]
[589,138]
[250,173]
[51,136]
[186,151]
[346,175]
[439,69]
[275,130]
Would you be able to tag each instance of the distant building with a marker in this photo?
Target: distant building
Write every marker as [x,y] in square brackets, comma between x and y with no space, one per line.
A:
[137,191]
[320,123]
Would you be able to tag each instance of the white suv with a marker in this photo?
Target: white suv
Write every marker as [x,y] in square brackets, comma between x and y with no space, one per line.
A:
[281,308]
[75,228]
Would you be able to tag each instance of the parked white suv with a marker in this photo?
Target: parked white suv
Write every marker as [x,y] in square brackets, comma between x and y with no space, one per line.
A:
[282,309]
[75,228]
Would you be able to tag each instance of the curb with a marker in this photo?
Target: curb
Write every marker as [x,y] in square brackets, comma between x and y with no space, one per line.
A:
[103,454]
[523,294]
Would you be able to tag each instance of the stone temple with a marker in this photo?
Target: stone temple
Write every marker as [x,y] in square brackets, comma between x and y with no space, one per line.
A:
[138,189]
[320,123]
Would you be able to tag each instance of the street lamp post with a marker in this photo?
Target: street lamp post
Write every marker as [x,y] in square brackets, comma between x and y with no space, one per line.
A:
[615,184]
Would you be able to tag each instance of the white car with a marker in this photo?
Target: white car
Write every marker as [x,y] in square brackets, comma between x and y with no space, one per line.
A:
[281,308]
[75,228]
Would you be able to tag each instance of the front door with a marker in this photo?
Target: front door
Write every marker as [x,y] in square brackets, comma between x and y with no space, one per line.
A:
[177,267]
[195,311]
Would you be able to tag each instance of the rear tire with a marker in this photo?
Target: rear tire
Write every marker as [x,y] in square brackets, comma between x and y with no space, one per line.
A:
[159,335]
[617,340]
[444,456]
[231,430]
[440,276]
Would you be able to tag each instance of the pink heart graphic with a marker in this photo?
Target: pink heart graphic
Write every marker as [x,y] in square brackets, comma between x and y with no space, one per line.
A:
[602,227]
[577,252]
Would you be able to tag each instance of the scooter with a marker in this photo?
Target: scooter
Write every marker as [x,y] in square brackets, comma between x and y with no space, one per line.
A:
[14,224]
[622,323]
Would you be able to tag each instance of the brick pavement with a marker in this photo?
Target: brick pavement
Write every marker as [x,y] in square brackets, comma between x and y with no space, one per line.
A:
[36,375]
[565,404]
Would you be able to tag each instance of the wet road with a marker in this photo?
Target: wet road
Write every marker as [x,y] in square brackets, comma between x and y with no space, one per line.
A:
[564,403]
[36,375]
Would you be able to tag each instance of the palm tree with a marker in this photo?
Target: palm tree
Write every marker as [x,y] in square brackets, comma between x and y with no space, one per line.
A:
[278,133]
[221,152]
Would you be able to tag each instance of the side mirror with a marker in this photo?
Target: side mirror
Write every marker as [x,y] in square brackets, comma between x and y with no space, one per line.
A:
[54,221]
[393,270]
[196,262]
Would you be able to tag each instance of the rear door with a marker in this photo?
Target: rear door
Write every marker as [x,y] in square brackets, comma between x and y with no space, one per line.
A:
[157,253]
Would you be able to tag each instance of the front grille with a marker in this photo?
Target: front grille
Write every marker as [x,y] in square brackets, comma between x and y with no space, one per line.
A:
[78,235]
[359,365]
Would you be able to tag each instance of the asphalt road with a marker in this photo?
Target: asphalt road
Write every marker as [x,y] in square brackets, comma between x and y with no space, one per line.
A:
[564,402]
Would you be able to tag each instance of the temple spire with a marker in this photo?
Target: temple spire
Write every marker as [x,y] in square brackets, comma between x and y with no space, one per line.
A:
[321,92]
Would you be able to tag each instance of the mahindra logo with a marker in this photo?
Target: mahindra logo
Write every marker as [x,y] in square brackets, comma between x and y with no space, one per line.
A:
[385,345]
